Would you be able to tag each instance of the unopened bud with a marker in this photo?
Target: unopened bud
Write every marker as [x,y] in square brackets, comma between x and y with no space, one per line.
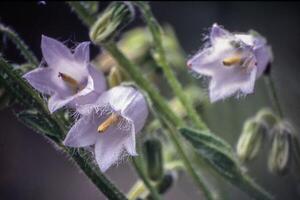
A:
[280,154]
[154,161]
[113,19]
[115,77]
[267,117]
[251,139]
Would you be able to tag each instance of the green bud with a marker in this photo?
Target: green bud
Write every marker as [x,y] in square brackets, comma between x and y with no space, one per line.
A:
[152,150]
[280,154]
[251,139]
[115,77]
[113,19]
[267,117]
[166,183]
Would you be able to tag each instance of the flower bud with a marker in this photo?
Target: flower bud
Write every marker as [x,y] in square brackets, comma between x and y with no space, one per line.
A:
[168,180]
[152,149]
[113,19]
[251,139]
[115,77]
[267,117]
[280,154]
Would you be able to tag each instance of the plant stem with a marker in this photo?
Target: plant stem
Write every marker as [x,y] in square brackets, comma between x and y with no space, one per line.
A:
[273,95]
[20,44]
[82,13]
[139,169]
[162,61]
[253,189]
[161,107]
[107,188]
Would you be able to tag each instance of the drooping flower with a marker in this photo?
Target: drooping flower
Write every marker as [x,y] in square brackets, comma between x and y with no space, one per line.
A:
[67,77]
[110,125]
[233,61]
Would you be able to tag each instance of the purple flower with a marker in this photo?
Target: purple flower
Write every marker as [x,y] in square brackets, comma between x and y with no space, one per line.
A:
[110,124]
[233,61]
[68,78]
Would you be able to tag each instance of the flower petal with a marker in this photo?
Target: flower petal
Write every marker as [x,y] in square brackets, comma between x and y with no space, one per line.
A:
[109,148]
[83,133]
[54,51]
[56,102]
[226,84]
[39,78]
[217,32]
[82,53]
[98,79]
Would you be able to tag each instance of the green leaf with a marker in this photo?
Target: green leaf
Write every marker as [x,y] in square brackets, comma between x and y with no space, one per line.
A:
[216,151]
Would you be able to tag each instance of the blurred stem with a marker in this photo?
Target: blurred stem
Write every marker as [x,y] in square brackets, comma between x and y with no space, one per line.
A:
[139,169]
[162,61]
[20,44]
[273,95]
[161,107]
[82,13]
[253,189]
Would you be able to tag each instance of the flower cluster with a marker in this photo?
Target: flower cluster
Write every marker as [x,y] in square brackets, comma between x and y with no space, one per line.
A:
[233,61]
[109,119]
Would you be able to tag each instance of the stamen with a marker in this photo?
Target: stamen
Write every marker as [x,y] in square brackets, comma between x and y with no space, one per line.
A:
[111,120]
[70,81]
[232,60]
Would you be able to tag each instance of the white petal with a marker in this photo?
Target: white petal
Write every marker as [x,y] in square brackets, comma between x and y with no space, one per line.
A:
[54,51]
[82,53]
[83,133]
[56,102]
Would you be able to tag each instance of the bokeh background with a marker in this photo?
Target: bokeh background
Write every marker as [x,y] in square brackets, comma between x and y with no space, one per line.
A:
[30,168]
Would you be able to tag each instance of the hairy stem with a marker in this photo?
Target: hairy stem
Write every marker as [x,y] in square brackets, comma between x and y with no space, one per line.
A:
[162,61]
[273,95]
[139,169]
[20,44]
[82,13]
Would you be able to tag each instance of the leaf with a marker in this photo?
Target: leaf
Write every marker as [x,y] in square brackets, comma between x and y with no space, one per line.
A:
[215,150]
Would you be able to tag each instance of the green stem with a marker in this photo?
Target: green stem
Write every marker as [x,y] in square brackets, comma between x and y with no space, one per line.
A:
[162,61]
[82,13]
[273,95]
[20,44]
[139,169]
[160,105]
[107,188]
[253,189]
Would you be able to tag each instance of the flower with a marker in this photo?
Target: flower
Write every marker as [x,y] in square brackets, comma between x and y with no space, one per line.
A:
[233,61]
[110,124]
[68,77]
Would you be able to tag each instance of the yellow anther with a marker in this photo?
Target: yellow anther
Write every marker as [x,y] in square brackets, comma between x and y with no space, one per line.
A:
[232,60]
[111,120]
[70,81]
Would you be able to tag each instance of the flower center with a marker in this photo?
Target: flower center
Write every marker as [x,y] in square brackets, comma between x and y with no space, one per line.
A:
[71,82]
[111,120]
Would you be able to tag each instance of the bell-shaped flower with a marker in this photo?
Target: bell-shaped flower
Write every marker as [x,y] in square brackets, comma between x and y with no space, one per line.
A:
[233,61]
[67,76]
[110,125]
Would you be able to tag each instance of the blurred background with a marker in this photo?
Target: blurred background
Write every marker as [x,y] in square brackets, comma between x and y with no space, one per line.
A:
[30,168]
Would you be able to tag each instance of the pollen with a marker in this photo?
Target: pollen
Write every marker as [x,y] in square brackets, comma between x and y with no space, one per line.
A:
[232,60]
[70,82]
[111,120]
